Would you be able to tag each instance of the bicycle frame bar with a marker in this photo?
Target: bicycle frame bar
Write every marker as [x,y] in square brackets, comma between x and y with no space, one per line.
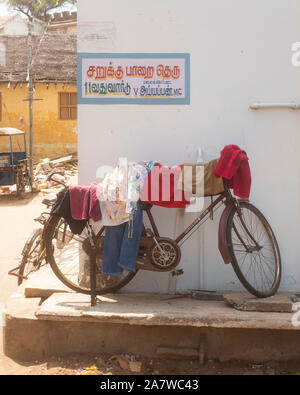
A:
[200,218]
[226,196]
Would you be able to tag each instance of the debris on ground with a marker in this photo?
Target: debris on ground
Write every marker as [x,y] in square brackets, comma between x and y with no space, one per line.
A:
[135,366]
[5,189]
[127,362]
[91,364]
[65,167]
[122,360]
[91,368]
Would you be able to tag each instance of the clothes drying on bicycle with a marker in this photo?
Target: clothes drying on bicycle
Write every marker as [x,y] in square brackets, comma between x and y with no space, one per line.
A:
[103,260]
[114,203]
[233,165]
[84,202]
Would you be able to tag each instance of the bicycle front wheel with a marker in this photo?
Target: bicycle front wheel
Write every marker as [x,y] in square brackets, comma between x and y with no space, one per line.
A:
[68,255]
[254,250]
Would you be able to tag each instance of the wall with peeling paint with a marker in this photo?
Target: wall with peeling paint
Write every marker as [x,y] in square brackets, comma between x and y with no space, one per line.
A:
[52,137]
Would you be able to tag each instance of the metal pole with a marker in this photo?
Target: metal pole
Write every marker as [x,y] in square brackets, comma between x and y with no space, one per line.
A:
[30,100]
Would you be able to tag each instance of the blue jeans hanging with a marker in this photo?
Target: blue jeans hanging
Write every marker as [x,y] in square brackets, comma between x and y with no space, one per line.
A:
[121,245]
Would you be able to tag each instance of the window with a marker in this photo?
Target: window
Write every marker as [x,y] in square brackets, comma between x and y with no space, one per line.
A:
[68,106]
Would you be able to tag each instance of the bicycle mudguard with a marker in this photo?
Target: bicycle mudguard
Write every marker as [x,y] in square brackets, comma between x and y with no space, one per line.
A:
[27,245]
[223,246]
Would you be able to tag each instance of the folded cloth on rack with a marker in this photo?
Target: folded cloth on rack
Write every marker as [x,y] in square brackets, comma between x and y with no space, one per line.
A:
[160,188]
[233,165]
[120,249]
[62,207]
[84,202]
[199,179]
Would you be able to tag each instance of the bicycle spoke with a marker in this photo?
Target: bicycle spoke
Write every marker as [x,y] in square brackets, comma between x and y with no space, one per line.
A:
[256,260]
[69,254]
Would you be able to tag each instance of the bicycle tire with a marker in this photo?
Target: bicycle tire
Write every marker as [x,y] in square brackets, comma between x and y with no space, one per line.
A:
[50,252]
[263,263]
[27,252]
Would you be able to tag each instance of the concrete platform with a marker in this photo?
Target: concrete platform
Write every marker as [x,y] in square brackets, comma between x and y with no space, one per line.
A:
[145,324]
[43,284]
[158,310]
[44,318]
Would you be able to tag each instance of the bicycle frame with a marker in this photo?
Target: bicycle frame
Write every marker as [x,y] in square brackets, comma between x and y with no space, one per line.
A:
[225,197]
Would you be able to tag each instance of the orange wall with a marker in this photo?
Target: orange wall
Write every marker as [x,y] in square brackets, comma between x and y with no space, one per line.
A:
[52,137]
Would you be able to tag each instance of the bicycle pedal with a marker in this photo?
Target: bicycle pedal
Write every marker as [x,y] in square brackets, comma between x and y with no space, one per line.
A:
[178,272]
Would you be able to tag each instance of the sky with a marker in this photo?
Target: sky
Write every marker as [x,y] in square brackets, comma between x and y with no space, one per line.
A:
[5,11]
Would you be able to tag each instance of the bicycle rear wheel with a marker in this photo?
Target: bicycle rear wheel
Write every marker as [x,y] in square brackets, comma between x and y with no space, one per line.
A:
[254,250]
[68,255]
[32,256]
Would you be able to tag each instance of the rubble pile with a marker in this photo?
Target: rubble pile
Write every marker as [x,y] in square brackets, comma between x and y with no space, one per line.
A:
[65,167]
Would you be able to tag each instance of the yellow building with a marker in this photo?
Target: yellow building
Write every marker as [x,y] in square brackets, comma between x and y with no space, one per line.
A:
[55,92]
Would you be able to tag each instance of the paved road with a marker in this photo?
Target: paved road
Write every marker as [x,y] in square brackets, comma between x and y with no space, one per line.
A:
[16,224]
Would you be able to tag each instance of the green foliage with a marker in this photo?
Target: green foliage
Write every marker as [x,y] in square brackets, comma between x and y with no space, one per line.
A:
[37,8]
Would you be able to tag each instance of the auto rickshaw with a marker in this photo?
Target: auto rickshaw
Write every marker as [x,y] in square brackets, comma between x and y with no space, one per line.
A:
[14,167]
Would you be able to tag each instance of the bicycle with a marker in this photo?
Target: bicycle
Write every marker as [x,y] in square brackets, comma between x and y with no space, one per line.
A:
[245,239]
[34,251]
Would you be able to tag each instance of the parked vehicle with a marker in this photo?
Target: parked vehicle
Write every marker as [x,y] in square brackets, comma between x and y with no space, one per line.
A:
[246,240]
[14,168]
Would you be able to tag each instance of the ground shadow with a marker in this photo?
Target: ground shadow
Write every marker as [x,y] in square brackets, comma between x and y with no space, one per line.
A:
[17,200]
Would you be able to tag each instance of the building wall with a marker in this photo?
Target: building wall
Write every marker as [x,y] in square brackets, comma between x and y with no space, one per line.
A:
[67,29]
[52,137]
[17,26]
[240,53]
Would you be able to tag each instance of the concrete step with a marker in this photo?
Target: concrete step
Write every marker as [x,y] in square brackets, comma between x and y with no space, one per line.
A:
[145,324]
[159,310]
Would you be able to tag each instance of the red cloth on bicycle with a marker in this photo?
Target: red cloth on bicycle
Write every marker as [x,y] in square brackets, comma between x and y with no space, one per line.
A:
[160,188]
[84,202]
[233,165]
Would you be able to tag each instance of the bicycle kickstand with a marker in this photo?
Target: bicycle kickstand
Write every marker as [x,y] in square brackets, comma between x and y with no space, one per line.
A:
[93,274]
[92,269]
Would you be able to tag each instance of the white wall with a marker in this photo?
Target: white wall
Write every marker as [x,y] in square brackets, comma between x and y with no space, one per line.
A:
[240,53]
[18,26]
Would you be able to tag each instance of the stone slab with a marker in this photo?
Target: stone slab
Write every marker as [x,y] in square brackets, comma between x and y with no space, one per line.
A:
[282,303]
[158,310]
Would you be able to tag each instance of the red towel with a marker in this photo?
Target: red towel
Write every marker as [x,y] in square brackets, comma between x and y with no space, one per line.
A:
[160,188]
[84,202]
[233,165]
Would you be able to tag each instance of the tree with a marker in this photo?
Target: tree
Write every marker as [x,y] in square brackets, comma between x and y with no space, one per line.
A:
[37,8]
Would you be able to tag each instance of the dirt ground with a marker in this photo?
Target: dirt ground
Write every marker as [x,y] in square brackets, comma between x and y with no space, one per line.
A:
[17,222]
[16,225]
[104,365]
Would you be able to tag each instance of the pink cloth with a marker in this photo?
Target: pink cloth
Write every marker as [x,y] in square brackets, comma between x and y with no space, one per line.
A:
[84,202]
